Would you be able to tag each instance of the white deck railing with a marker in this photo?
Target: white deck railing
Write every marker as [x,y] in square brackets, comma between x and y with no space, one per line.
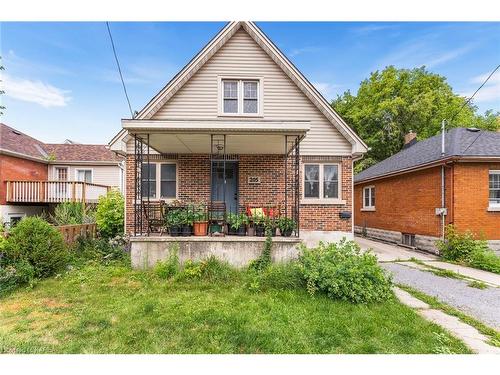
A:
[54,191]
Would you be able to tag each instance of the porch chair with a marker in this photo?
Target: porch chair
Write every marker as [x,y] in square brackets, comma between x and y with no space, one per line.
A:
[216,216]
[154,215]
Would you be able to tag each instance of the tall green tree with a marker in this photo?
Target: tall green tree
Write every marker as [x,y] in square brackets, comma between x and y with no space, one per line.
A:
[392,102]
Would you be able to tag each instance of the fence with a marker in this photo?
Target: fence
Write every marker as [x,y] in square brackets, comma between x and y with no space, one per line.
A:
[72,232]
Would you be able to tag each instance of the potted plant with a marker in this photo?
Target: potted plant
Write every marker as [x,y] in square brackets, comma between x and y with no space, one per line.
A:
[259,221]
[187,216]
[173,222]
[270,225]
[286,226]
[200,222]
[237,224]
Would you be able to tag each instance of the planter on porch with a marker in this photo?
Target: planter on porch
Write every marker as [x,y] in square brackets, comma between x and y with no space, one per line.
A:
[200,228]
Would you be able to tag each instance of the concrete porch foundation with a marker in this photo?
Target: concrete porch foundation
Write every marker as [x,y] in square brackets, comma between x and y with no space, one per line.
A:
[237,251]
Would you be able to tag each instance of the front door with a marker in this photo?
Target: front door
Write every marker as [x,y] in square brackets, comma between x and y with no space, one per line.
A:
[225,188]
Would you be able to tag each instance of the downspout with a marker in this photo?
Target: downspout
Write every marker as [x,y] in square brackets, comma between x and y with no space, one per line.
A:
[443,180]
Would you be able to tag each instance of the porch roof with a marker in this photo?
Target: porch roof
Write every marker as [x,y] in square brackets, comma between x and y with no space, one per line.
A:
[242,137]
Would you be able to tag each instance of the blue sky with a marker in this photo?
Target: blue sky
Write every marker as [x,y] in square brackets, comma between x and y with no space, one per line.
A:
[61,78]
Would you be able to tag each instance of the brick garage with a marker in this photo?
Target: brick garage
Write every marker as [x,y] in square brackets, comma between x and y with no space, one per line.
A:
[194,185]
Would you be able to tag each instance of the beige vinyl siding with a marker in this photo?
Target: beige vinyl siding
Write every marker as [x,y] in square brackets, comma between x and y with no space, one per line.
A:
[108,175]
[283,100]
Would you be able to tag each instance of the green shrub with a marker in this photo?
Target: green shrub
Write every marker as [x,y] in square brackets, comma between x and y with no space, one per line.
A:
[486,260]
[465,248]
[70,213]
[169,267]
[102,250]
[110,214]
[458,246]
[15,275]
[343,271]
[264,260]
[37,242]
[210,269]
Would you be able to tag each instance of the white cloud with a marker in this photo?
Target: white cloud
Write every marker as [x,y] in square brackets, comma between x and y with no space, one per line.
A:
[490,92]
[300,51]
[37,92]
[368,29]
[328,90]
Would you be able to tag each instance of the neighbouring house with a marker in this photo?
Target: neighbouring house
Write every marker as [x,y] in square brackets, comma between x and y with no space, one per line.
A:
[35,176]
[240,124]
[408,197]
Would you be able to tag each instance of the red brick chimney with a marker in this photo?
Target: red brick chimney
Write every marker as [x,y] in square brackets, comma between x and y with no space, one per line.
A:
[410,137]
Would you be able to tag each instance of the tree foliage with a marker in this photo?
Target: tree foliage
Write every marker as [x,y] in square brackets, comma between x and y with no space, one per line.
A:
[392,102]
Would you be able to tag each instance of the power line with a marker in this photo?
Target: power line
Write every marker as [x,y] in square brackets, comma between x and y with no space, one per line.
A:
[119,69]
[475,92]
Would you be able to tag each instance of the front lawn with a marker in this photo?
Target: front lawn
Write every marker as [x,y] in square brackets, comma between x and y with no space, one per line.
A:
[112,309]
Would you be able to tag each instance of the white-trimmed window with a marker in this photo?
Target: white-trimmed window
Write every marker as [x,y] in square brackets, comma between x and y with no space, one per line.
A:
[162,180]
[369,197]
[84,175]
[240,97]
[61,173]
[494,188]
[321,181]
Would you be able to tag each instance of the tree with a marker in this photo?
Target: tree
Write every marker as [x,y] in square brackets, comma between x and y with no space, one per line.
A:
[392,102]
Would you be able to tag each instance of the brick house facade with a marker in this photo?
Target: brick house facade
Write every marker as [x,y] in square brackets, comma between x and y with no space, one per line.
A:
[406,202]
[180,122]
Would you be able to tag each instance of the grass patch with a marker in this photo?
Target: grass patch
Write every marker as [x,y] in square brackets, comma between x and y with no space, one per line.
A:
[113,309]
[478,285]
[493,334]
[446,273]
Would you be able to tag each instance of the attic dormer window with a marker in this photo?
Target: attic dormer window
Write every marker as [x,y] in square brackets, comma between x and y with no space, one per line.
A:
[240,97]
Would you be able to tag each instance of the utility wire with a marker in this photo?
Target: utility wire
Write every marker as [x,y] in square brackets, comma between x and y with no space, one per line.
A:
[475,92]
[119,69]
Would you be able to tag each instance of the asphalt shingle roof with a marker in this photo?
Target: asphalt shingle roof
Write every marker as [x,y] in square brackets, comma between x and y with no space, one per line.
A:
[460,142]
[15,141]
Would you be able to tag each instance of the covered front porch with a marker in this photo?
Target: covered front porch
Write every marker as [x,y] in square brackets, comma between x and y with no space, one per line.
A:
[247,168]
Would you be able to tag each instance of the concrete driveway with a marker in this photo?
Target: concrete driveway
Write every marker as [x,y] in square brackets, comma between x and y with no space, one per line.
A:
[390,253]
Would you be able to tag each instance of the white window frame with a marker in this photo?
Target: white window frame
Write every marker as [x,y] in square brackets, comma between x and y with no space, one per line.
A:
[370,206]
[56,173]
[91,170]
[492,206]
[322,199]
[158,196]
[240,80]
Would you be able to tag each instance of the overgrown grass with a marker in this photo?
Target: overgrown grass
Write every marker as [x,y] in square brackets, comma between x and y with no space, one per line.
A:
[493,335]
[113,309]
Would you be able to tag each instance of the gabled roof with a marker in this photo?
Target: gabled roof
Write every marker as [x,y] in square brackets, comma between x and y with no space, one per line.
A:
[19,144]
[459,143]
[276,55]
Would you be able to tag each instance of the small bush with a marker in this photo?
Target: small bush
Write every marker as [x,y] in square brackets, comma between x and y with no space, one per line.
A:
[110,214]
[264,260]
[169,267]
[15,275]
[102,250]
[343,271]
[37,242]
[210,269]
[465,248]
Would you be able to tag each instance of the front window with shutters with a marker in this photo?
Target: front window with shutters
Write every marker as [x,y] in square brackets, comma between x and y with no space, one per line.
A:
[159,180]
[321,181]
[240,97]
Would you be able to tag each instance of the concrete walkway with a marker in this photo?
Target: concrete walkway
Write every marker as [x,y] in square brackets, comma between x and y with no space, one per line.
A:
[390,253]
[475,340]
[473,273]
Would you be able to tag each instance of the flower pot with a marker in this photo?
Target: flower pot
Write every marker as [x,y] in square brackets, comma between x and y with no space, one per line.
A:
[260,230]
[242,231]
[215,228]
[273,232]
[175,230]
[200,228]
[187,230]
[286,233]
[250,230]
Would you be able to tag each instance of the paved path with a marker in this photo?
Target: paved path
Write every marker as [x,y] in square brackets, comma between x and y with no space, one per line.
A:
[390,253]
[485,276]
[482,304]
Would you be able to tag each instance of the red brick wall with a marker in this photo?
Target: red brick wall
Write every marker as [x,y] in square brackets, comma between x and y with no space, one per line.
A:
[471,181]
[12,168]
[194,185]
[405,203]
